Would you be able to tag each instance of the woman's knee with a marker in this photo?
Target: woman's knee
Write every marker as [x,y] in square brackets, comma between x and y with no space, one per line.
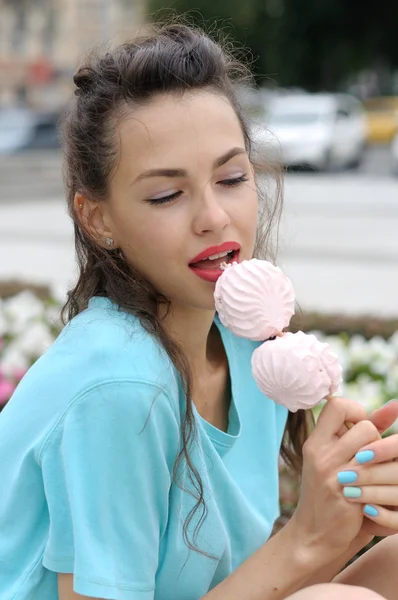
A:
[335,591]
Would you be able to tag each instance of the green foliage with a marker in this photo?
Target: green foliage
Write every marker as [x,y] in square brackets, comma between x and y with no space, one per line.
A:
[310,44]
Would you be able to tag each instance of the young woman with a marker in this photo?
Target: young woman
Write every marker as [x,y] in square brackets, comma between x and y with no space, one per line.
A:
[138,459]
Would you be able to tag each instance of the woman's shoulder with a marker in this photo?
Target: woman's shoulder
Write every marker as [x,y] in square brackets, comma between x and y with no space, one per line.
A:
[104,344]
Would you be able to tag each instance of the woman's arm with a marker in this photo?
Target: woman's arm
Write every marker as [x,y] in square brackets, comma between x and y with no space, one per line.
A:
[276,570]
[325,530]
[279,568]
[65,588]
[324,533]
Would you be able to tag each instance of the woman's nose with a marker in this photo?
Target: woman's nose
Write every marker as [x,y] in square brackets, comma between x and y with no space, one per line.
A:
[210,214]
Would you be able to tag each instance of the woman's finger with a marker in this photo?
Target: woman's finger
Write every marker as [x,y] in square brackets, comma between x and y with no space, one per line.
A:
[381,516]
[380,474]
[380,451]
[335,413]
[371,528]
[383,418]
[385,495]
[348,445]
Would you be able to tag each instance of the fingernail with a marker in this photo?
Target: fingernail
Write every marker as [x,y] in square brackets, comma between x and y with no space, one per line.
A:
[352,492]
[365,456]
[371,511]
[347,476]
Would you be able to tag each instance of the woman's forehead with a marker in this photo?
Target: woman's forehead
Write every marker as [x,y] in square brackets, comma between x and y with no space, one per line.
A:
[178,128]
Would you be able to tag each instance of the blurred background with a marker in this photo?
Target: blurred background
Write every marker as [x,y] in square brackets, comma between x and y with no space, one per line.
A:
[325,105]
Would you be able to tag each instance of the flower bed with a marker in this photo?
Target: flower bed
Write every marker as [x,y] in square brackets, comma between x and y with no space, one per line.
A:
[30,322]
[367,349]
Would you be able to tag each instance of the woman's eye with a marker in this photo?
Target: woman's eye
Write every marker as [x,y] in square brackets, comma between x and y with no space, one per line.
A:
[234,181]
[225,182]
[164,199]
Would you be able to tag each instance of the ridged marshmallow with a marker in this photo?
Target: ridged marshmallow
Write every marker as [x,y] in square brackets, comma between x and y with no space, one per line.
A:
[296,370]
[254,299]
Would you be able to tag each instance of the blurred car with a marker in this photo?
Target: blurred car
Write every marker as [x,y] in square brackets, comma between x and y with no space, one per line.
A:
[15,129]
[24,129]
[381,118]
[394,155]
[319,131]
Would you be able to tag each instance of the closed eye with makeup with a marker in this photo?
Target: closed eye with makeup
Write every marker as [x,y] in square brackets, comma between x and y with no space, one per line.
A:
[231,171]
[183,198]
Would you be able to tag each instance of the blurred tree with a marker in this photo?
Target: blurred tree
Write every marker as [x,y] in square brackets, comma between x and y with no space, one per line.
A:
[311,44]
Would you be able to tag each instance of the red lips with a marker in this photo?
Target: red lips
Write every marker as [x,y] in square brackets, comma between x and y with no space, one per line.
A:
[226,247]
[212,271]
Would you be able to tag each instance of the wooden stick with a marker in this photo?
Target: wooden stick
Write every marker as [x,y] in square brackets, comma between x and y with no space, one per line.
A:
[346,423]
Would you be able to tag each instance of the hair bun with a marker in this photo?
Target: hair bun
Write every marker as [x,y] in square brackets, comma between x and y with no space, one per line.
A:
[84,80]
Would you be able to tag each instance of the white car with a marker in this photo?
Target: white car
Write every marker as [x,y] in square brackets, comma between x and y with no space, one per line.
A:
[23,129]
[394,155]
[16,126]
[319,131]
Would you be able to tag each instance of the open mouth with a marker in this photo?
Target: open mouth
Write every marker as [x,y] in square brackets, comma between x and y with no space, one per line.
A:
[210,269]
[215,261]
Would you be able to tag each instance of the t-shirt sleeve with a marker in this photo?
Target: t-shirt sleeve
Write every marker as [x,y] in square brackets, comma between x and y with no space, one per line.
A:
[107,470]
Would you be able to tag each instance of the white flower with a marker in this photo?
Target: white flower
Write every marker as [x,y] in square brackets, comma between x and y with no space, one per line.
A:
[12,361]
[34,340]
[383,354]
[3,322]
[366,391]
[391,380]
[358,351]
[393,428]
[393,342]
[340,348]
[53,316]
[19,310]
[58,295]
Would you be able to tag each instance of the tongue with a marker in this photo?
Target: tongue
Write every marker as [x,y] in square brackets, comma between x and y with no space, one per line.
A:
[210,264]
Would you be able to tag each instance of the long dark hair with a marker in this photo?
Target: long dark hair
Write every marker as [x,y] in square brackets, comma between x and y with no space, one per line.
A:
[168,58]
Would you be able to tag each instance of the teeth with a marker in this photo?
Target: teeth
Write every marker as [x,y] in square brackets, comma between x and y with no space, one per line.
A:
[214,256]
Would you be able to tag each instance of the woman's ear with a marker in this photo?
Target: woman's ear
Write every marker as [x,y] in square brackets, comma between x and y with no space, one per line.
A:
[92,217]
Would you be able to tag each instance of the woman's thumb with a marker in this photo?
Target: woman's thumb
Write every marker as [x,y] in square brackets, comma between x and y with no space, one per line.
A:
[383,418]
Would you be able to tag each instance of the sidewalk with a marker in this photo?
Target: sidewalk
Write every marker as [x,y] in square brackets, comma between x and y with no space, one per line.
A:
[338,244]
[36,243]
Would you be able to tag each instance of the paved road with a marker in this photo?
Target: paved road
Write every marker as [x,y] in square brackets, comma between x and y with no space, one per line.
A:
[339,243]
[37,175]
[338,237]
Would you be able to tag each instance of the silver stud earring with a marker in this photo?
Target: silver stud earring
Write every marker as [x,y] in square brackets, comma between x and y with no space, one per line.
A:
[109,242]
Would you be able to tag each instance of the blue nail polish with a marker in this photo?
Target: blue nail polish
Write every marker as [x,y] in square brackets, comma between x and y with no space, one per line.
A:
[365,456]
[352,492]
[371,511]
[347,477]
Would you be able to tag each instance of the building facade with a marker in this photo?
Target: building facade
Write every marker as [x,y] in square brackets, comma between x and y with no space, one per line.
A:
[41,42]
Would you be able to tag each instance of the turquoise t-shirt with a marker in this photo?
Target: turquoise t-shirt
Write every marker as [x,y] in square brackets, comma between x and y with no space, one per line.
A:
[87,448]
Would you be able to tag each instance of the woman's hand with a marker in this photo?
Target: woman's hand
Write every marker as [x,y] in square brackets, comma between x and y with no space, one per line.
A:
[383,418]
[374,485]
[324,521]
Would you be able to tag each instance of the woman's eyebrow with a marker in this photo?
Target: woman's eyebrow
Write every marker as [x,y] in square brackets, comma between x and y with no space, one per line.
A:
[219,162]
[183,173]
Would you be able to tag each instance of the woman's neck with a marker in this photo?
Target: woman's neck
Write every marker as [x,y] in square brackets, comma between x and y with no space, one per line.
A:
[198,337]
